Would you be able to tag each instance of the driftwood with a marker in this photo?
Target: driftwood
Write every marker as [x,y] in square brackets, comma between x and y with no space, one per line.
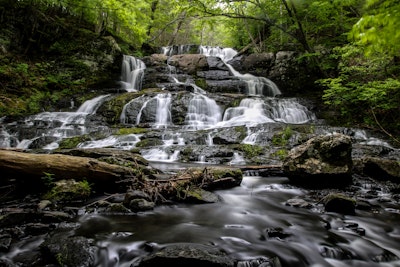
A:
[31,167]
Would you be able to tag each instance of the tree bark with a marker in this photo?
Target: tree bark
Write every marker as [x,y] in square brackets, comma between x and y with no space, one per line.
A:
[30,167]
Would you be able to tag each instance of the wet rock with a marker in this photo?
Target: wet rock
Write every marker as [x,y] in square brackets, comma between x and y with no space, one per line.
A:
[321,161]
[139,204]
[188,254]
[66,250]
[133,194]
[5,242]
[339,203]
[198,195]
[117,208]
[92,225]
[189,63]
[379,168]
[298,203]
[277,233]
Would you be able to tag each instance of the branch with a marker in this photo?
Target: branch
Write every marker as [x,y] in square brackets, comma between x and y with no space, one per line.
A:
[383,130]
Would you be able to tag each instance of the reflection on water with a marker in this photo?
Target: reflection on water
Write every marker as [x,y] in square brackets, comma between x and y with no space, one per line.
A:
[253,221]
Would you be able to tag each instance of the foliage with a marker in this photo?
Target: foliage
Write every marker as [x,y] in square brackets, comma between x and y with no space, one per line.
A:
[368,81]
[282,138]
[69,190]
[250,151]
[378,29]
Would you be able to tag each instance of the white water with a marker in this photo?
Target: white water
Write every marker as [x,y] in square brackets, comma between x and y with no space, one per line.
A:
[58,125]
[91,106]
[132,73]
[124,142]
[163,111]
[256,86]
[203,112]
[253,111]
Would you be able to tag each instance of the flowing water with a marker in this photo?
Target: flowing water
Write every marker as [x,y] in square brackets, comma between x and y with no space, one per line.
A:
[252,220]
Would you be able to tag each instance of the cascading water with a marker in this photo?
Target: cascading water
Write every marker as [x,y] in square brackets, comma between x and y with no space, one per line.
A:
[163,111]
[203,112]
[256,86]
[253,220]
[132,73]
[55,126]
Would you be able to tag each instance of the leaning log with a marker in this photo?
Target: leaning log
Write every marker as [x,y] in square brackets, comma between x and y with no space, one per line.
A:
[31,167]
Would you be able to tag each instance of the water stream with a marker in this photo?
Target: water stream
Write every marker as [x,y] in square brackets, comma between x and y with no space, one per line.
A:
[252,220]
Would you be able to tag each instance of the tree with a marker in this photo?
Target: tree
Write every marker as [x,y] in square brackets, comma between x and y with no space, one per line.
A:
[378,29]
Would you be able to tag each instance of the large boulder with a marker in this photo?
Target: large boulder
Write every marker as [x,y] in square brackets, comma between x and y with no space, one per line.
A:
[379,168]
[321,161]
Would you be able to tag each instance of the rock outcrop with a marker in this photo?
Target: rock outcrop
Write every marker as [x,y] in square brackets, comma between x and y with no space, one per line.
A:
[321,161]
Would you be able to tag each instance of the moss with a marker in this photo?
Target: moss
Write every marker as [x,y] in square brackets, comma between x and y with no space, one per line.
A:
[149,142]
[242,131]
[282,138]
[281,154]
[250,151]
[72,142]
[202,83]
[134,130]
[69,190]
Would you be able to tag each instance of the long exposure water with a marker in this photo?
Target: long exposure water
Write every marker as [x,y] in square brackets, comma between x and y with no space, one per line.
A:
[253,220]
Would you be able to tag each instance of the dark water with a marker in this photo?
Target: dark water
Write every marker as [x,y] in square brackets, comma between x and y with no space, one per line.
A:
[253,221]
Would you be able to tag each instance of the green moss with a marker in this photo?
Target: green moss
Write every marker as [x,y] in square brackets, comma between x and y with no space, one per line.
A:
[250,151]
[281,154]
[202,83]
[68,190]
[149,142]
[242,130]
[134,130]
[282,138]
[72,142]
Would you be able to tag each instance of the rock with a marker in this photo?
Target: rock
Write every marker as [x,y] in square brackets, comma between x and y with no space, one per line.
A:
[68,250]
[298,203]
[189,63]
[137,200]
[379,168]
[69,190]
[139,204]
[321,161]
[339,203]
[188,254]
[198,195]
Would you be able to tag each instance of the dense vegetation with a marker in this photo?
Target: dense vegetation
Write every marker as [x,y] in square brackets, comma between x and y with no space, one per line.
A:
[353,45]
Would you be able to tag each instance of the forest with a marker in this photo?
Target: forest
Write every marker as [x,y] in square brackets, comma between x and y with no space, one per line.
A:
[353,46]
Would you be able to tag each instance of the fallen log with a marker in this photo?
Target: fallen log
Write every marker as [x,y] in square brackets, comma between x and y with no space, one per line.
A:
[22,166]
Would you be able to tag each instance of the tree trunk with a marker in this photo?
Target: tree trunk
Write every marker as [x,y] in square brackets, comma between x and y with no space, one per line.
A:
[22,166]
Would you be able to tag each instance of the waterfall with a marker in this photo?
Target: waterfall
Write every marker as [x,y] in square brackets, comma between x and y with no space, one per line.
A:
[132,73]
[91,106]
[226,54]
[256,86]
[59,125]
[160,105]
[203,112]
[251,138]
[163,110]
[252,111]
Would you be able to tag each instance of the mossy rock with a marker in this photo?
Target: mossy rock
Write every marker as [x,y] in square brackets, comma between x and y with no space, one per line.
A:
[73,142]
[69,190]
[149,142]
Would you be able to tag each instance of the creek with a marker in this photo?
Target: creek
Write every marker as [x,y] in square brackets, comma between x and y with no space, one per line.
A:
[254,222]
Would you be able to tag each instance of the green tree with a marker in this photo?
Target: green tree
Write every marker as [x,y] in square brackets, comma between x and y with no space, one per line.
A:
[378,29]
